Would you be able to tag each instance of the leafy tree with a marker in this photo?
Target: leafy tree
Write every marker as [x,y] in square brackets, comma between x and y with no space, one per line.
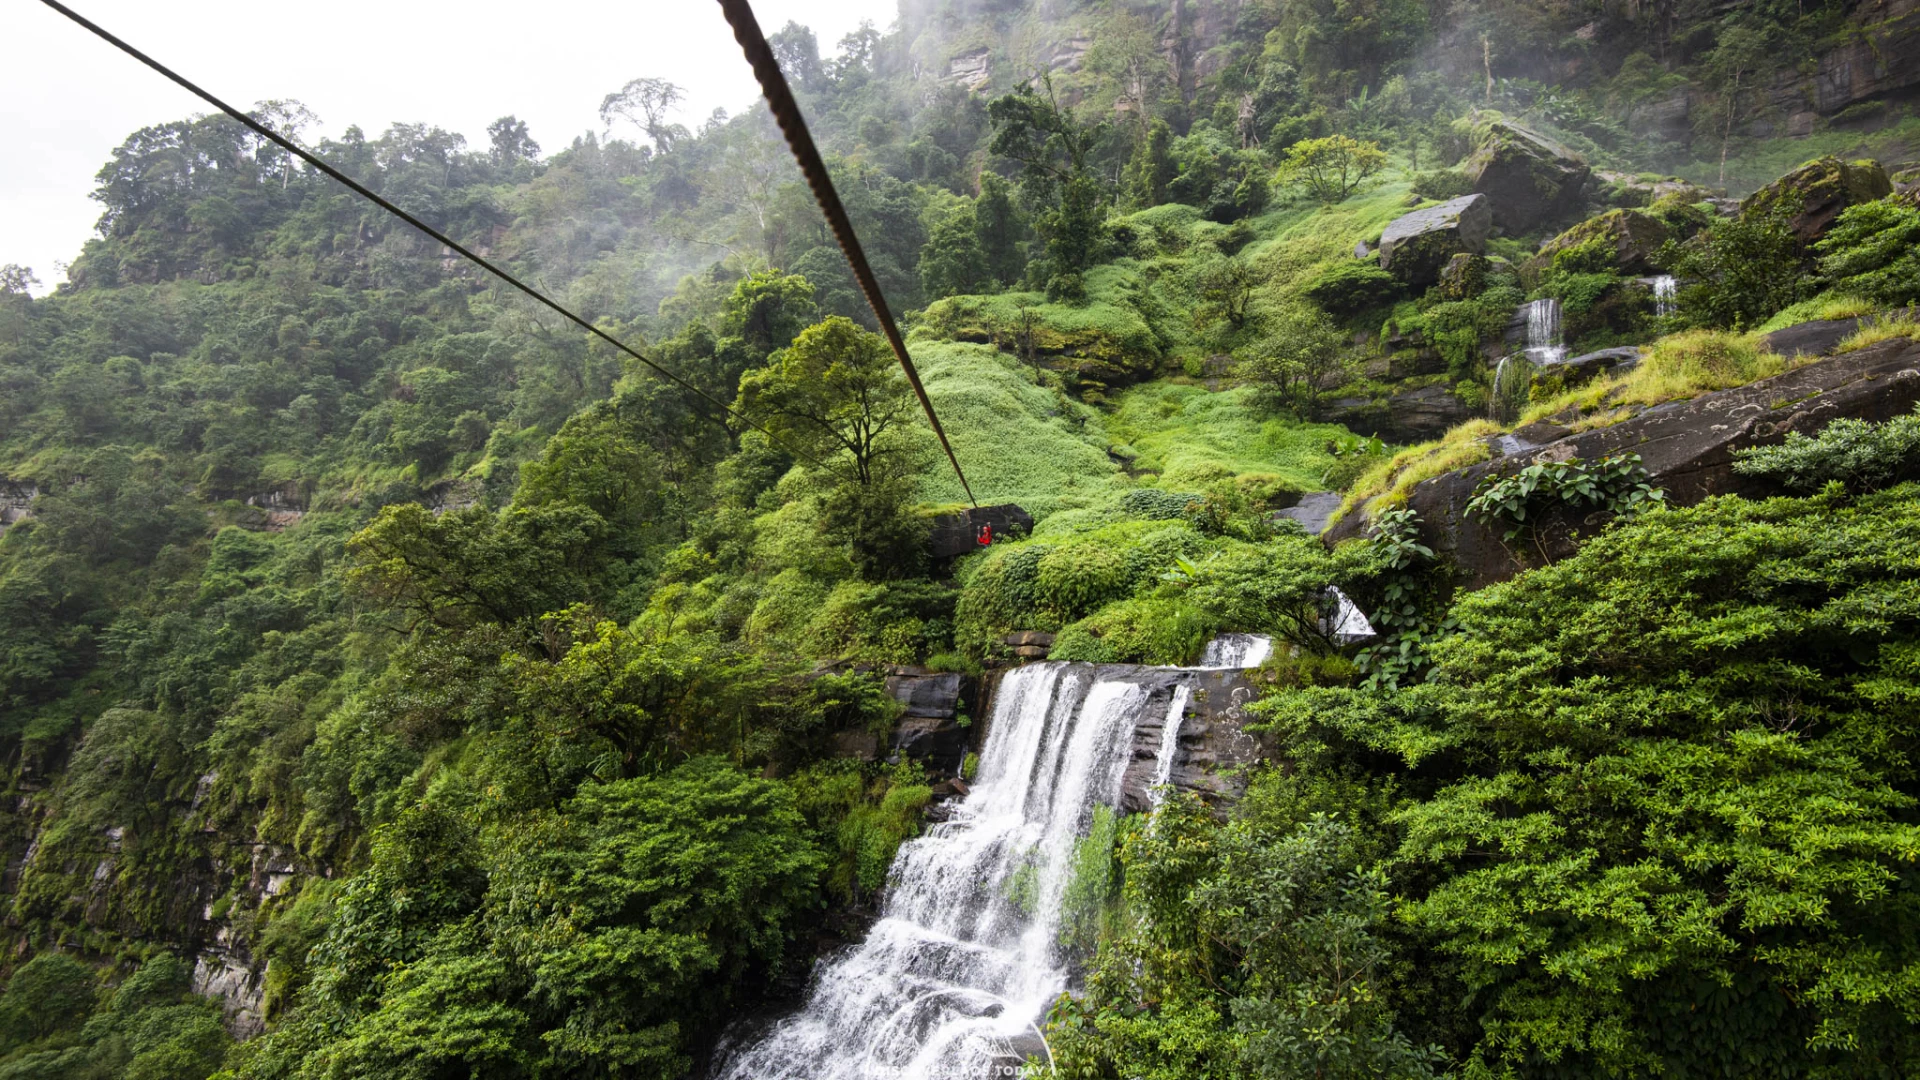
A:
[510,143]
[1332,168]
[470,565]
[835,390]
[1628,764]
[953,262]
[767,310]
[646,103]
[1055,152]
[1299,356]
[999,229]
[1224,287]
[1733,272]
[1151,169]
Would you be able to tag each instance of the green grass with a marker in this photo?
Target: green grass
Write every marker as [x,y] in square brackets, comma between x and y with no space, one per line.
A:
[1018,442]
[1192,438]
[1824,306]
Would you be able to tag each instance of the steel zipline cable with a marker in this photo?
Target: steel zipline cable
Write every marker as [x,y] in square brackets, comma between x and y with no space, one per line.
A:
[786,112]
[359,189]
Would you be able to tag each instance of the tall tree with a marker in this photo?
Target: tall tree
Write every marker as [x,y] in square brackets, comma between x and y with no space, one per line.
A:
[835,391]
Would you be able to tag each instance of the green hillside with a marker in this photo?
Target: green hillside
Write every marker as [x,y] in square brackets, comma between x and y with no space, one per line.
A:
[397,682]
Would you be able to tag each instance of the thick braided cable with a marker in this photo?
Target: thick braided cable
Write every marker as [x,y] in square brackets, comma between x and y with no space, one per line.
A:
[360,189]
[786,112]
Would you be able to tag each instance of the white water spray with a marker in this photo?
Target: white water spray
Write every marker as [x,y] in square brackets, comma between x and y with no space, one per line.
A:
[1666,292]
[966,957]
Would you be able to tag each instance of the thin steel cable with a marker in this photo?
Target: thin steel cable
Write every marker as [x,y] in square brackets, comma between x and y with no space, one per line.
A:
[357,188]
[786,112]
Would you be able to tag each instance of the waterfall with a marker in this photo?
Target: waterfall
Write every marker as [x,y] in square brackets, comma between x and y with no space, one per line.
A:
[1237,651]
[1665,294]
[965,959]
[1170,739]
[1513,377]
[1544,345]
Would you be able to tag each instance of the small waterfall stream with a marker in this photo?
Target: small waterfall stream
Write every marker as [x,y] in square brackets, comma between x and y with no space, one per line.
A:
[1666,293]
[1514,375]
[958,973]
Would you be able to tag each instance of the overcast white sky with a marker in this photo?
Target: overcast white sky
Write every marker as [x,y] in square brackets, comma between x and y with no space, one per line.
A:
[67,98]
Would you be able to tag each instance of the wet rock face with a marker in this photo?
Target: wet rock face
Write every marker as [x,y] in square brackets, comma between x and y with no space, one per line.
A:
[1815,193]
[1406,417]
[1417,246]
[930,730]
[1212,747]
[1529,178]
[1686,446]
[1588,366]
[16,500]
[1634,239]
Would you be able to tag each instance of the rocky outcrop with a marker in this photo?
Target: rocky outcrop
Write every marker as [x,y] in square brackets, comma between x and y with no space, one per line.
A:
[1417,246]
[1405,417]
[968,531]
[1815,193]
[1211,746]
[933,728]
[1822,336]
[1530,179]
[16,500]
[1313,511]
[1632,238]
[1586,367]
[1686,446]
[972,69]
[1878,58]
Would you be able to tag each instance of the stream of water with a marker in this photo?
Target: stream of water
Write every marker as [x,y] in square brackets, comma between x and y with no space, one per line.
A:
[955,978]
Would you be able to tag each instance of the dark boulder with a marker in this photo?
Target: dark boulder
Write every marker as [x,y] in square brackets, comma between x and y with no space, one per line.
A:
[1312,511]
[1821,336]
[1575,370]
[1417,246]
[1686,446]
[1633,239]
[1530,179]
[960,534]
[1815,193]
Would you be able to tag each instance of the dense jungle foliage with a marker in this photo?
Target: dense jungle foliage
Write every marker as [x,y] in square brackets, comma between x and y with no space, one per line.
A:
[401,681]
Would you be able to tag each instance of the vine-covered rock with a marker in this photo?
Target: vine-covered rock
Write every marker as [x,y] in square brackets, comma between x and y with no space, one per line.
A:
[1818,191]
[1530,179]
[1417,246]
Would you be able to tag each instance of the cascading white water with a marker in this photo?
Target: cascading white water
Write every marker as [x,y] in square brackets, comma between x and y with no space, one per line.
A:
[1164,761]
[1544,345]
[1514,374]
[966,958]
[1237,651]
[1666,292]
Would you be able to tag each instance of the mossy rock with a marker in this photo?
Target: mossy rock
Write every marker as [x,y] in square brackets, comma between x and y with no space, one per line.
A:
[1817,192]
[1464,277]
[1417,246]
[1531,179]
[1634,238]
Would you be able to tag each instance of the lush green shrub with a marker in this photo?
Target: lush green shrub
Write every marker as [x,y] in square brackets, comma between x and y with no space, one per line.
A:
[1662,796]
[1740,270]
[1442,184]
[1144,630]
[1861,455]
[1152,504]
[1874,252]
